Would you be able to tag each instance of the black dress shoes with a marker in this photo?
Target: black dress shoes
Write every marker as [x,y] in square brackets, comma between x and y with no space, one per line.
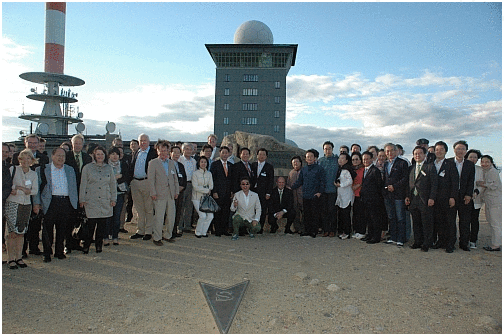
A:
[372,241]
[60,256]
[465,248]
[450,250]
[227,234]
[85,250]
[47,258]
[123,230]
[424,249]
[36,252]
[288,232]
[147,237]
[136,236]
[415,246]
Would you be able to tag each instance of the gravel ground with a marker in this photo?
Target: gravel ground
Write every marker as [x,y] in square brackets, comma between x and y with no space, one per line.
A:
[297,285]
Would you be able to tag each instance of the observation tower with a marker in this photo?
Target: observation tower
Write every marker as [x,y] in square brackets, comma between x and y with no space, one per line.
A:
[54,120]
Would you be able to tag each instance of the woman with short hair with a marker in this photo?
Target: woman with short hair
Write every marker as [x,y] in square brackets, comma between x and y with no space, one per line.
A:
[98,196]
[18,206]
[492,197]
[474,155]
[344,181]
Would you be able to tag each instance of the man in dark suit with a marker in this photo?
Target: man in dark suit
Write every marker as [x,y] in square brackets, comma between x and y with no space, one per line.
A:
[175,153]
[463,201]
[430,157]
[371,197]
[445,230]
[265,178]
[281,205]
[31,238]
[243,168]
[140,188]
[396,180]
[421,197]
[77,159]
[222,174]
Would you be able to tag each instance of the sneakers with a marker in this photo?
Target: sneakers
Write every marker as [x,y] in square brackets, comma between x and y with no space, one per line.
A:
[472,245]
[358,236]
[390,241]
[399,244]
[343,236]
[235,237]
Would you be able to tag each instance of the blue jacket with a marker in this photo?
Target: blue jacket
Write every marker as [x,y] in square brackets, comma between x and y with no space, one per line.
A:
[330,165]
[312,179]
[44,196]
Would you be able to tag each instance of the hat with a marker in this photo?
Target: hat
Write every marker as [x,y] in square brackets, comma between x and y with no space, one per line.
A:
[422,141]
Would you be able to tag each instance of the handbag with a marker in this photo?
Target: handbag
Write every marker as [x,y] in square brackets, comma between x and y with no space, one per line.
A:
[208,204]
[81,230]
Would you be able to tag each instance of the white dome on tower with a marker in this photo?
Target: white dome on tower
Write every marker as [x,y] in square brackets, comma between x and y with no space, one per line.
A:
[253,32]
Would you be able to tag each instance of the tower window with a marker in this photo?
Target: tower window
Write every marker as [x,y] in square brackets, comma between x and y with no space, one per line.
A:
[250,78]
[277,85]
[276,129]
[226,107]
[249,121]
[227,78]
[277,100]
[226,121]
[226,92]
[277,114]
[249,107]
[250,92]
[225,134]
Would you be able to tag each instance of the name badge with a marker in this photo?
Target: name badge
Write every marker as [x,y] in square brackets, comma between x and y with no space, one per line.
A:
[179,175]
[263,174]
[423,173]
[442,174]
[28,183]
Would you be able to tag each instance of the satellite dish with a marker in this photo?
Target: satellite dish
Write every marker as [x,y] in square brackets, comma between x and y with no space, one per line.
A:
[110,127]
[80,127]
[43,128]
[80,115]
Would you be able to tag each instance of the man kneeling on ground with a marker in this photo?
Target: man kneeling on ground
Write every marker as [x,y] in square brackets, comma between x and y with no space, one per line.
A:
[248,210]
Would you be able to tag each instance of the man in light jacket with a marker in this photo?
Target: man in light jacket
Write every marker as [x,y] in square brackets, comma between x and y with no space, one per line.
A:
[248,210]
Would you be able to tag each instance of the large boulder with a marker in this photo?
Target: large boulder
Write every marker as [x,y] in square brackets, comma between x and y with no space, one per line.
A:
[279,153]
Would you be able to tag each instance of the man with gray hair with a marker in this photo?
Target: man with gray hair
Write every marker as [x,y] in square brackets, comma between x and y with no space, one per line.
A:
[396,180]
[187,205]
[140,188]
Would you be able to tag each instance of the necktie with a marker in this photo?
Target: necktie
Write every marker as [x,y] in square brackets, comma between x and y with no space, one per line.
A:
[248,168]
[225,168]
[365,172]
[281,194]
[77,159]
[418,168]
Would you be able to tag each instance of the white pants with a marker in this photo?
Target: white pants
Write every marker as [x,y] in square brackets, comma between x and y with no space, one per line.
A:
[164,219]
[204,220]
[493,214]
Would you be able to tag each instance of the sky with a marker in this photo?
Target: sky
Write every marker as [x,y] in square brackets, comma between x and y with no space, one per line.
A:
[366,73]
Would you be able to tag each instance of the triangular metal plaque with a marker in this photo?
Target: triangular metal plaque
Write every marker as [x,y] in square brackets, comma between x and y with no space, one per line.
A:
[224,302]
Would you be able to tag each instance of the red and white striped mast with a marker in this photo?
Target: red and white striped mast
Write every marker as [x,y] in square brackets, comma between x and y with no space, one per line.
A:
[52,121]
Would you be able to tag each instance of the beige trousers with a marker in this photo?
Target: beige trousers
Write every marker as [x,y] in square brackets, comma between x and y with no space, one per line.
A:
[143,203]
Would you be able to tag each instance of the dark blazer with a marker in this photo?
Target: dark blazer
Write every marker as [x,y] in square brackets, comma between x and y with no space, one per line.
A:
[448,180]
[182,176]
[152,154]
[265,180]
[372,187]
[239,171]
[6,181]
[42,160]
[426,183]
[398,178]
[287,201]
[466,178]
[223,185]
[70,160]
[124,172]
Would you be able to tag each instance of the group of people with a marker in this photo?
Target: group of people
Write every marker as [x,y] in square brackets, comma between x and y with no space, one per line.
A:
[364,195]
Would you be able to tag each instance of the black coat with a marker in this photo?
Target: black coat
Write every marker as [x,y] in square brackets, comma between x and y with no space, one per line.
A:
[152,154]
[287,203]
[70,160]
[398,178]
[239,171]
[426,182]
[182,176]
[466,178]
[448,180]
[223,185]
[372,187]
[265,180]
[6,181]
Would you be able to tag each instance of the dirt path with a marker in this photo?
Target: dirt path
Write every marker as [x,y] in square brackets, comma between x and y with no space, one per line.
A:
[137,287]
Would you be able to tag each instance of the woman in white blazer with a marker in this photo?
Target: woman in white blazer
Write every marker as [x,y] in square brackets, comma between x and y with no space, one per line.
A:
[344,182]
[202,184]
